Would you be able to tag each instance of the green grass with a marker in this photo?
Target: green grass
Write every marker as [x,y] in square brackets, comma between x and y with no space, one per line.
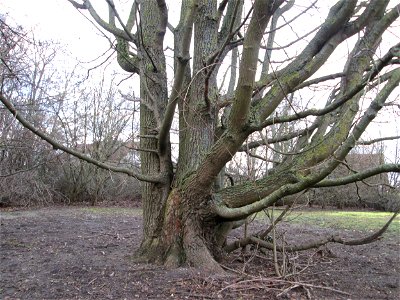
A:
[350,220]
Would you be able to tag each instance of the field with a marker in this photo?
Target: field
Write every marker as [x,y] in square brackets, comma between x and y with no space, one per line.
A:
[86,253]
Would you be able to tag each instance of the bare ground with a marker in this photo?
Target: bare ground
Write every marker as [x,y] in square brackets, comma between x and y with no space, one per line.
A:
[79,253]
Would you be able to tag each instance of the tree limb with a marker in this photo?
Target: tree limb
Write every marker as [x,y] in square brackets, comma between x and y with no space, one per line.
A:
[370,142]
[247,70]
[330,107]
[262,235]
[183,59]
[245,199]
[281,138]
[116,14]
[320,79]
[112,29]
[128,61]
[57,146]
[328,37]
[132,17]
[78,5]
[359,176]
[162,7]
[221,9]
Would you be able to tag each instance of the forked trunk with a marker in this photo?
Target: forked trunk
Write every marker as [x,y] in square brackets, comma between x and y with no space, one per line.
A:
[178,230]
[188,237]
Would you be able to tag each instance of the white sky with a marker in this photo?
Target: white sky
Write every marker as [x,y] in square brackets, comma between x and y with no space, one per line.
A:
[56,20]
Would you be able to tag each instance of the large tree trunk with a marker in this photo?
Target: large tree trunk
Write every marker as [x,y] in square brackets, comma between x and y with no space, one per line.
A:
[181,232]
[188,234]
[154,96]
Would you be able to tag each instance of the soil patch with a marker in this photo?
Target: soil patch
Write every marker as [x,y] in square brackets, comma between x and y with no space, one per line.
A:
[86,253]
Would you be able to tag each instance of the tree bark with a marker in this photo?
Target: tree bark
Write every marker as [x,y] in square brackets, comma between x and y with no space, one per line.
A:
[154,96]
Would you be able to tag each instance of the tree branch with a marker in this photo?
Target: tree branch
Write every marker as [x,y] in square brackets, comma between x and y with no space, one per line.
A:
[111,29]
[213,62]
[248,66]
[329,108]
[328,37]
[132,17]
[116,14]
[162,7]
[240,201]
[128,61]
[271,38]
[320,79]
[259,241]
[370,142]
[221,9]
[262,235]
[57,146]
[281,138]
[359,176]
[183,59]
[78,5]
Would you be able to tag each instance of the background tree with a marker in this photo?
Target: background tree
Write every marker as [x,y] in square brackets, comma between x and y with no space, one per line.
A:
[186,214]
[31,172]
[25,160]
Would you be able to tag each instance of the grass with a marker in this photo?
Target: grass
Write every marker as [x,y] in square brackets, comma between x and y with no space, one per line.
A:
[349,220]
[366,221]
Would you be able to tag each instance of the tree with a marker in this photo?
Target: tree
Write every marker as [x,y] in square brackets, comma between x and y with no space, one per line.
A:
[97,129]
[31,172]
[26,77]
[187,213]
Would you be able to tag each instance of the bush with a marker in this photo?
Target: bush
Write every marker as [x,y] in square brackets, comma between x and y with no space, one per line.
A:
[392,202]
[24,189]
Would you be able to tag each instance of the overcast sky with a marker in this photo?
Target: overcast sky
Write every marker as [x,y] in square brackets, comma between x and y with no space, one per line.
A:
[56,20]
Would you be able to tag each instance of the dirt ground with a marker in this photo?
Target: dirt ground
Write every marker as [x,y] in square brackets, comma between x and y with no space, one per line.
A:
[80,253]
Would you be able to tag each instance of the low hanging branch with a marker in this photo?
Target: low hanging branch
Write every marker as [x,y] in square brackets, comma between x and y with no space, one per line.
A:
[58,146]
[262,235]
[234,203]
[316,244]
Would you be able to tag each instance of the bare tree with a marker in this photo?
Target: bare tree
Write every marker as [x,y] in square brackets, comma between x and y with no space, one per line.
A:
[25,160]
[101,129]
[31,172]
[186,218]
